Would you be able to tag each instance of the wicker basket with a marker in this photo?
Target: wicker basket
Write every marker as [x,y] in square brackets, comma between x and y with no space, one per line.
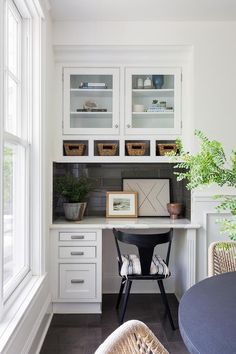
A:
[136,149]
[107,149]
[74,149]
[166,148]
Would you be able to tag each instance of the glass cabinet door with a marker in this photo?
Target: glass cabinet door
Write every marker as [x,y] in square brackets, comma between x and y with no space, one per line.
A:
[91,101]
[153,101]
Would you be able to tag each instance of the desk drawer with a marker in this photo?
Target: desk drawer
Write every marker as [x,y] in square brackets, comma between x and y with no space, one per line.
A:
[77,252]
[77,236]
[77,281]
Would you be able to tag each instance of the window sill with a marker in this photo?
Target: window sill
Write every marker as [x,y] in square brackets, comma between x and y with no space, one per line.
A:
[14,315]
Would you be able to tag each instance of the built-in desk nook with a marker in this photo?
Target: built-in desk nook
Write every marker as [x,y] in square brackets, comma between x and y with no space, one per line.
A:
[77,258]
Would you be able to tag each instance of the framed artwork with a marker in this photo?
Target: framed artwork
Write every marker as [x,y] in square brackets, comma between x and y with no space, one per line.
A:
[121,204]
[153,195]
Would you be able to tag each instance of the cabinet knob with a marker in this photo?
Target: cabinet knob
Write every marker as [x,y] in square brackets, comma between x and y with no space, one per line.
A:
[116,126]
[128,125]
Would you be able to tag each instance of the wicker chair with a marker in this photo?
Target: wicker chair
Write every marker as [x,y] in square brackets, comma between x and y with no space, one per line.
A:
[221,257]
[133,337]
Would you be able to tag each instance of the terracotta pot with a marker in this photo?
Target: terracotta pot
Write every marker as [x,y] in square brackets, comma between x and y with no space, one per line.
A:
[74,211]
[174,209]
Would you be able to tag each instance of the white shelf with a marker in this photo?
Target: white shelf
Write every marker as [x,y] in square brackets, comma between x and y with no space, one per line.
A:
[90,90]
[91,113]
[153,113]
[120,159]
[153,92]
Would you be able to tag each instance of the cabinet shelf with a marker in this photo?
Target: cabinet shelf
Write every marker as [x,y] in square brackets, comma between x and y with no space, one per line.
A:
[94,114]
[153,113]
[90,90]
[153,92]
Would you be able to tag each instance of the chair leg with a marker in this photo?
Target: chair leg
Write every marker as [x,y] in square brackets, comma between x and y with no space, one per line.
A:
[120,293]
[165,301]
[125,301]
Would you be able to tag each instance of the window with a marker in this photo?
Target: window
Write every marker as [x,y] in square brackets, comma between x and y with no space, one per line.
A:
[16,149]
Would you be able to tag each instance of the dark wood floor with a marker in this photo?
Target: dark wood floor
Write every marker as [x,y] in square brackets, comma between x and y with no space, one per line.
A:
[82,334]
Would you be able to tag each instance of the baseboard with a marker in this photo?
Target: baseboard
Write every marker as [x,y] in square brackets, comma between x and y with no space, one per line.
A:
[79,308]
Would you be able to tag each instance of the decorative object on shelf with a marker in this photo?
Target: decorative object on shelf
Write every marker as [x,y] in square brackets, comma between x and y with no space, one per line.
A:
[163,104]
[121,204]
[89,105]
[91,110]
[138,108]
[166,149]
[140,83]
[147,83]
[175,210]
[158,81]
[136,148]
[74,149]
[107,149]
[74,190]
[211,166]
[153,195]
[93,85]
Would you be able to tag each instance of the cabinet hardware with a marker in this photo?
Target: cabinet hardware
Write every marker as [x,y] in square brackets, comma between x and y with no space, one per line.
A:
[116,126]
[77,253]
[128,125]
[77,281]
[77,237]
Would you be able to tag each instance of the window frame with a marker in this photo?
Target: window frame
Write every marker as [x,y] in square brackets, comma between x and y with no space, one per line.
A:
[33,16]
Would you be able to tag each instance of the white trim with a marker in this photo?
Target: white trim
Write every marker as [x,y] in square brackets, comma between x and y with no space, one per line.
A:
[15,314]
[35,328]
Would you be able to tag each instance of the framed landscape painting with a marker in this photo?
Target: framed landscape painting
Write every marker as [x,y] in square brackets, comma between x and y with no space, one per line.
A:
[121,204]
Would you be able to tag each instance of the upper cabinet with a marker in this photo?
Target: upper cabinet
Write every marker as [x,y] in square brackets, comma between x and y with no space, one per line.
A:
[153,101]
[91,101]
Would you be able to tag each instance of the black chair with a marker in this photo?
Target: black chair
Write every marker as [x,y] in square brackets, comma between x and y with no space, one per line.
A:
[145,244]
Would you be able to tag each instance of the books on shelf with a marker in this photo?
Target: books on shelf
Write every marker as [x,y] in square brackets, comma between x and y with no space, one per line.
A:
[93,85]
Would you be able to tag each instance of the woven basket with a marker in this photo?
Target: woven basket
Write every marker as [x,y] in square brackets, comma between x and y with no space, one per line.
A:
[74,149]
[107,149]
[166,148]
[136,149]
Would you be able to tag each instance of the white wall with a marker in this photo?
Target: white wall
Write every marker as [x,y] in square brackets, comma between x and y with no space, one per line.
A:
[214,61]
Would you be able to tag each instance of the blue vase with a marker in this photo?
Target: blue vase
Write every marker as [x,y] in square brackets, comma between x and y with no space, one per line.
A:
[158,81]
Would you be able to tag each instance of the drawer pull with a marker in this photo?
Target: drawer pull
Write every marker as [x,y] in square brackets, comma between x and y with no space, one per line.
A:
[77,237]
[77,253]
[77,281]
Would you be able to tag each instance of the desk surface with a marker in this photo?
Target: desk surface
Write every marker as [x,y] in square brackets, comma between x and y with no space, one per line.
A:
[126,223]
[207,315]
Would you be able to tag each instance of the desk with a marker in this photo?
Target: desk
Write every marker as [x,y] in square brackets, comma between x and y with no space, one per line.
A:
[207,316]
[76,256]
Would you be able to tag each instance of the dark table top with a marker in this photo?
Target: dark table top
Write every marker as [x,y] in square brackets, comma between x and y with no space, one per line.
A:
[207,316]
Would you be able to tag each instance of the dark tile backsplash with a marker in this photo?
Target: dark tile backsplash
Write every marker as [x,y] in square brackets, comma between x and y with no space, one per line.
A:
[108,177]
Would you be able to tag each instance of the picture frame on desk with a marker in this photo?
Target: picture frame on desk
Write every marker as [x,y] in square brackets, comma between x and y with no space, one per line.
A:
[153,194]
[122,204]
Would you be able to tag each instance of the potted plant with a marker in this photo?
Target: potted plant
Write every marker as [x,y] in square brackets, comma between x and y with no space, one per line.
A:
[74,191]
[208,166]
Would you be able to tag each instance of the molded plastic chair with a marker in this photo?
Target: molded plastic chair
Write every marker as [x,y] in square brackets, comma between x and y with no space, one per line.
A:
[133,337]
[221,257]
[145,244]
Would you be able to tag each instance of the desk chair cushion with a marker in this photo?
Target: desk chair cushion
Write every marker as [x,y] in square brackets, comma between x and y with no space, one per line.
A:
[131,265]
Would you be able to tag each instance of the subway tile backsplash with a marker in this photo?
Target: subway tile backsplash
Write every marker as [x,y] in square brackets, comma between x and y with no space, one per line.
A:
[108,177]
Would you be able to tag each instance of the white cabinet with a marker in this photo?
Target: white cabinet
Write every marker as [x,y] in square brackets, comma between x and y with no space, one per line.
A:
[76,270]
[91,101]
[153,101]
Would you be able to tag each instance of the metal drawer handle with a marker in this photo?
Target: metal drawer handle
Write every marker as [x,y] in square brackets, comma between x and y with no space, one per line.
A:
[77,281]
[77,253]
[77,237]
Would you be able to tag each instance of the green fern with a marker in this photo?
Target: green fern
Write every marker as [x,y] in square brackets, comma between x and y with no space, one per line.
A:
[209,166]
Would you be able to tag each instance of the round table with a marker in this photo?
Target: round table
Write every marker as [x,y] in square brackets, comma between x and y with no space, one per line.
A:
[207,316]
